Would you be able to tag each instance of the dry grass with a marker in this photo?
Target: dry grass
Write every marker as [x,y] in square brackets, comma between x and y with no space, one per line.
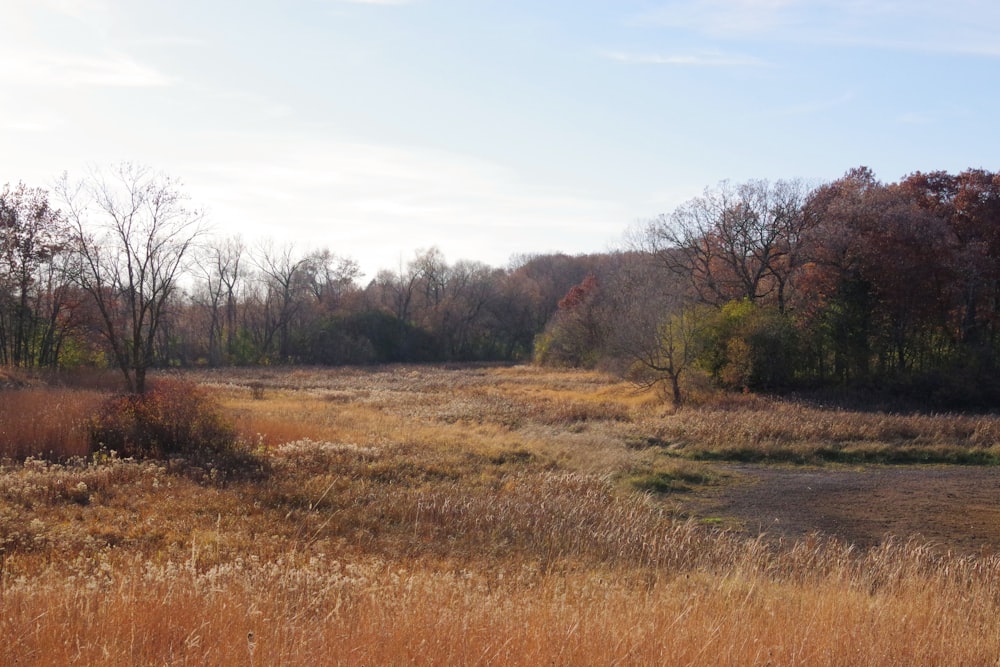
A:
[45,422]
[779,430]
[325,610]
[478,516]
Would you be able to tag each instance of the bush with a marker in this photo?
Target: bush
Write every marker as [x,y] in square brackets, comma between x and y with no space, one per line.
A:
[172,418]
[751,346]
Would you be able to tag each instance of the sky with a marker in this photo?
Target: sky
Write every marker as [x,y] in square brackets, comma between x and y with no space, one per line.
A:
[488,128]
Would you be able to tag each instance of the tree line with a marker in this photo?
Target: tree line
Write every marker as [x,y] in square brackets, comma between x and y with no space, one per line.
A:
[856,283]
[118,269]
[760,285]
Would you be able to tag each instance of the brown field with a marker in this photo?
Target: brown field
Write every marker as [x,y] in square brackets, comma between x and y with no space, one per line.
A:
[500,515]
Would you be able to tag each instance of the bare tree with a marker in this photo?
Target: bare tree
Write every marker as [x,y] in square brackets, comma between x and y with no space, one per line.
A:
[393,291]
[734,242]
[462,317]
[222,275]
[674,348]
[660,341]
[407,292]
[329,278]
[284,292]
[132,230]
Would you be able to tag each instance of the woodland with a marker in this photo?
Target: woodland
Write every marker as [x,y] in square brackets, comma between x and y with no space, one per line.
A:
[856,286]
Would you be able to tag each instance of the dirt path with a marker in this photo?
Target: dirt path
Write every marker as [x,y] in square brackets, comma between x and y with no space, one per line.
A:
[957,507]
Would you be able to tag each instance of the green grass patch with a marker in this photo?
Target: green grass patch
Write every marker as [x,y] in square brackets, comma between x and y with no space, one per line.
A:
[871,453]
[677,478]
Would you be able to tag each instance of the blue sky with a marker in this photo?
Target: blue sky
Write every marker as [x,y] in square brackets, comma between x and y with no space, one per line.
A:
[488,128]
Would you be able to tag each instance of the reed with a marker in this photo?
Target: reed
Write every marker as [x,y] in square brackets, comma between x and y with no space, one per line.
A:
[485,516]
[46,421]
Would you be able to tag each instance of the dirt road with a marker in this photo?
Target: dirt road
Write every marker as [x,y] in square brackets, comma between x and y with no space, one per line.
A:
[956,507]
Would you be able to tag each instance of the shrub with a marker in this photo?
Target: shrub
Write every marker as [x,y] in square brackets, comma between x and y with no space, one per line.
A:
[750,346]
[172,418]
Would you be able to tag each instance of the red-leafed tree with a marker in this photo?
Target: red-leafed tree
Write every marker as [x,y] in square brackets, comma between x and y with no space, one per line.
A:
[877,265]
[574,335]
[969,206]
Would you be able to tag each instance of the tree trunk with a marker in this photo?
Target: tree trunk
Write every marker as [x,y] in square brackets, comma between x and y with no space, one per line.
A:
[675,385]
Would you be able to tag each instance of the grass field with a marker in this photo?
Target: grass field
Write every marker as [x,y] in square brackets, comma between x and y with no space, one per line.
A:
[475,515]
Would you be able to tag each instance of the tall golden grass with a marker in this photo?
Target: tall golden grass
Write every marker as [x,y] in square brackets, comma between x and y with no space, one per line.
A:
[43,421]
[779,430]
[471,517]
[299,610]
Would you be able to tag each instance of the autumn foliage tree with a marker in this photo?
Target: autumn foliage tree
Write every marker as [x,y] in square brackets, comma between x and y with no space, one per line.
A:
[574,335]
[968,206]
[854,282]
[886,286]
[38,305]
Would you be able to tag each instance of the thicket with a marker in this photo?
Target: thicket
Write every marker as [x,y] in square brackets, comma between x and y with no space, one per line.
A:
[173,418]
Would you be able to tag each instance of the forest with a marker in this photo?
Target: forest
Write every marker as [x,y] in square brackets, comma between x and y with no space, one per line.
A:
[854,285]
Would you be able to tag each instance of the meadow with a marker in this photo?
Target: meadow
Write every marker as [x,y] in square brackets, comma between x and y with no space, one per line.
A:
[439,515]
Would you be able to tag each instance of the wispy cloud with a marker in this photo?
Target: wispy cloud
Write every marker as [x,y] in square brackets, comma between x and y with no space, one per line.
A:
[959,26]
[724,17]
[685,60]
[375,2]
[952,114]
[916,118]
[74,8]
[383,202]
[818,106]
[37,122]
[40,68]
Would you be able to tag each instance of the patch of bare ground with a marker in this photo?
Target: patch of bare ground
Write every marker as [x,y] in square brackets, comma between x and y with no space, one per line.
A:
[954,507]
